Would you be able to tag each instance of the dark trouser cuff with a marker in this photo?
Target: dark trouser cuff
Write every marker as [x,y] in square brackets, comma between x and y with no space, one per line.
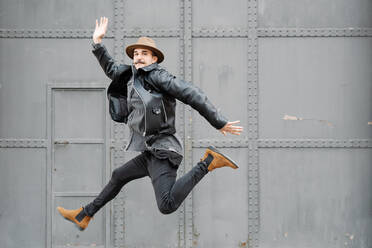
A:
[86,208]
[208,159]
[205,163]
[81,215]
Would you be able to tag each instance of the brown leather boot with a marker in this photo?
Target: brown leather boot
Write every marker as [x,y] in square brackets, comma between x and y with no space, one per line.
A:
[215,159]
[77,216]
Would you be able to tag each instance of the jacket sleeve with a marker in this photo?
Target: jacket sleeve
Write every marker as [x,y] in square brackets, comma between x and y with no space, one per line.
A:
[189,94]
[108,64]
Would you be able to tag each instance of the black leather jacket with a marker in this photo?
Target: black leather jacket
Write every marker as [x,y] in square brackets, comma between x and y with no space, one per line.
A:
[155,78]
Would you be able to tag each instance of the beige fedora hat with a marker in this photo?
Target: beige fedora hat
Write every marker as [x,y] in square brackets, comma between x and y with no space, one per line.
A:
[145,42]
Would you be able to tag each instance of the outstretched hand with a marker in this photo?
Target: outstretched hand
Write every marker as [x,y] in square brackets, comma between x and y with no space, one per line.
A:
[230,128]
[100,30]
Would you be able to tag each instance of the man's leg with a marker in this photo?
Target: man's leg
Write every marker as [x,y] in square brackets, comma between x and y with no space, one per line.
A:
[133,169]
[169,192]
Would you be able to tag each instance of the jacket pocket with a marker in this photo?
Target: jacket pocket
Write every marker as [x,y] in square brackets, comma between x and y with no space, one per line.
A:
[118,108]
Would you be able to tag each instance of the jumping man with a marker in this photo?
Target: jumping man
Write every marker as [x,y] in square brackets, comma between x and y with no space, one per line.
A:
[150,93]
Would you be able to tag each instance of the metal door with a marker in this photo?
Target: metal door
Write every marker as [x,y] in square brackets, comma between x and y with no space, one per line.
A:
[79,162]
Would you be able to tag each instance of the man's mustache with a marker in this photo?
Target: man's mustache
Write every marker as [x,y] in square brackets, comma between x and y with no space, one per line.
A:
[139,62]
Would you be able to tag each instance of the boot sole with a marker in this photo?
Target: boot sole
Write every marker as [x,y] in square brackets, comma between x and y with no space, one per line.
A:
[217,151]
[76,225]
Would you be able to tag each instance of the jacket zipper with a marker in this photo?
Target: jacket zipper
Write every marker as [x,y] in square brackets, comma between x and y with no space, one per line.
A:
[130,141]
[144,132]
[165,113]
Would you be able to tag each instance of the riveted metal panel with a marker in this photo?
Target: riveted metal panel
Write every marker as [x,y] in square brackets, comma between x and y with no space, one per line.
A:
[315,197]
[164,14]
[316,84]
[21,120]
[23,201]
[220,207]
[54,14]
[222,76]
[318,67]
[209,14]
[318,13]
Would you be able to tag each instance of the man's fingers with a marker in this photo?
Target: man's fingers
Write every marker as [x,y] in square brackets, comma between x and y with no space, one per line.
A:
[235,132]
[235,128]
[233,122]
[223,132]
[106,22]
[230,128]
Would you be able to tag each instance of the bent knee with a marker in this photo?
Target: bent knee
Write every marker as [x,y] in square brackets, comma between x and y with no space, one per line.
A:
[167,207]
[165,210]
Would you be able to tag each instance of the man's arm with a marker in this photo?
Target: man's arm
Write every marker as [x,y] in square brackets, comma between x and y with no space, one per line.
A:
[189,94]
[108,64]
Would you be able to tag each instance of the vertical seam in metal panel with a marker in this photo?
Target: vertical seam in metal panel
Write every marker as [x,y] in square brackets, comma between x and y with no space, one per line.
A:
[187,32]
[119,206]
[181,171]
[253,172]
[115,127]
[49,203]
[106,169]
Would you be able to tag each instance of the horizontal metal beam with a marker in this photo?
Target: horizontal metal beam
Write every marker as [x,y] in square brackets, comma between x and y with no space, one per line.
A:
[84,33]
[317,143]
[76,85]
[50,33]
[75,194]
[196,33]
[166,33]
[285,143]
[218,32]
[20,143]
[203,143]
[78,141]
[314,32]
[225,143]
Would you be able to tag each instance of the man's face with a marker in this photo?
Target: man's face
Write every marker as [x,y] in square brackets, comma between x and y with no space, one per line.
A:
[143,57]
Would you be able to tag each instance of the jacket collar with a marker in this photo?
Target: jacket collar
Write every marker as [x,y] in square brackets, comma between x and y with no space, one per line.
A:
[145,68]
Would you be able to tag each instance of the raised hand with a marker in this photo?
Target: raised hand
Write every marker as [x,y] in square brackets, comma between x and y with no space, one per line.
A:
[100,30]
[230,128]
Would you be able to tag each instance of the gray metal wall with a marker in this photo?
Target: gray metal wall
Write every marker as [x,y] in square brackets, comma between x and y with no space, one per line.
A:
[296,73]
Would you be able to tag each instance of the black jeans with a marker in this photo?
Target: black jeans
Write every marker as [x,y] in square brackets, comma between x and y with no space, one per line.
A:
[169,192]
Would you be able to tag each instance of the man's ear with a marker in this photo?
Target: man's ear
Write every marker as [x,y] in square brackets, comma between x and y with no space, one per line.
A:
[155,58]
